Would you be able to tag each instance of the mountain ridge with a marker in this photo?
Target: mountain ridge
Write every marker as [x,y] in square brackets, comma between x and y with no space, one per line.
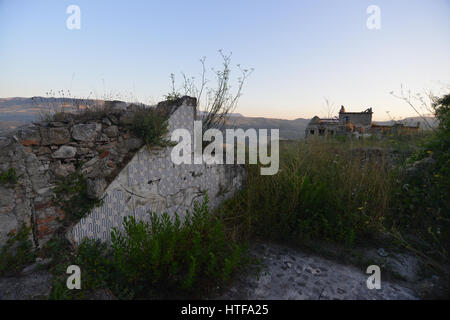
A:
[17,111]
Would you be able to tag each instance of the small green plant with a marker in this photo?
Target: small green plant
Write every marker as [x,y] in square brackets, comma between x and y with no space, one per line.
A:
[421,203]
[62,255]
[72,197]
[60,291]
[17,252]
[159,258]
[150,125]
[94,256]
[219,101]
[223,190]
[57,248]
[165,255]
[62,106]
[174,94]
[9,177]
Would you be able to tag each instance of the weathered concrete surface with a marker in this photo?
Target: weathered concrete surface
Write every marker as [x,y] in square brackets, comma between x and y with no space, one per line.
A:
[32,286]
[290,274]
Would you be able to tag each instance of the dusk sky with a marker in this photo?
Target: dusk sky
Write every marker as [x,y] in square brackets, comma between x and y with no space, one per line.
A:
[302,51]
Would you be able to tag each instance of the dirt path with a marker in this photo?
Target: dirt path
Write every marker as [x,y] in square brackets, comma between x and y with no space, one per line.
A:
[292,274]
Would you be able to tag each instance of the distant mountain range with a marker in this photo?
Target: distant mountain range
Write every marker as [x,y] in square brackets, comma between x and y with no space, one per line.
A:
[289,129]
[15,112]
[412,121]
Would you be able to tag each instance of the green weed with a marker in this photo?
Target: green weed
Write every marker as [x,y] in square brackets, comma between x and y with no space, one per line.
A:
[17,252]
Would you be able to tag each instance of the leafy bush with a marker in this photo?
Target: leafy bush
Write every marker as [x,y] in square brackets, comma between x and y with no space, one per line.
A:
[422,205]
[161,258]
[169,255]
[9,177]
[93,256]
[151,126]
[18,251]
[62,255]
[72,197]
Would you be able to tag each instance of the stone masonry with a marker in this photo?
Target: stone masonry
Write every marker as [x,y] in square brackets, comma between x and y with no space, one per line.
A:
[112,159]
[152,182]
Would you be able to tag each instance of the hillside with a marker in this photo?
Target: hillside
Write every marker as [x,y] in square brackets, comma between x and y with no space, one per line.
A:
[18,111]
[412,121]
[289,129]
[15,112]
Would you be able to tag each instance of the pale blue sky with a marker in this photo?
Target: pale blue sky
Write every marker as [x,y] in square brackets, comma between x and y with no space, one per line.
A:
[302,51]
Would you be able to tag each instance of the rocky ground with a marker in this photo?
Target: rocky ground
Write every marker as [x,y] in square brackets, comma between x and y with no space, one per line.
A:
[33,286]
[289,273]
[285,273]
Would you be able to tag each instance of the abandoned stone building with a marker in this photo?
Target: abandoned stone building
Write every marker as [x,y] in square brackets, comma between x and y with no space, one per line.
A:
[352,123]
[346,123]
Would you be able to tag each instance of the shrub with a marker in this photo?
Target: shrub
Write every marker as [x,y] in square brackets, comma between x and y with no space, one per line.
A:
[17,253]
[161,258]
[72,197]
[422,205]
[151,126]
[97,266]
[9,177]
[164,255]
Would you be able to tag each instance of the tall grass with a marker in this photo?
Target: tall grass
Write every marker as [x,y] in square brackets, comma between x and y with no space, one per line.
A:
[328,190]
[352,191]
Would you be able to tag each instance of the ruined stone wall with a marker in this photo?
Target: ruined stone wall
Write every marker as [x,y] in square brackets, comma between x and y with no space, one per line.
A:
[152,182]
[131,178]
[16,201]
[43,153]
[357,118]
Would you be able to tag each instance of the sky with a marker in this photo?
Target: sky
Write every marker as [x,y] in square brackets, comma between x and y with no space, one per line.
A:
[302,51]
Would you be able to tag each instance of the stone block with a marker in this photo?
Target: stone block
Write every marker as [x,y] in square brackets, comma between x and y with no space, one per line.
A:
[112,131]
[54,136]
[95,188]
[65,152]
[86,132]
